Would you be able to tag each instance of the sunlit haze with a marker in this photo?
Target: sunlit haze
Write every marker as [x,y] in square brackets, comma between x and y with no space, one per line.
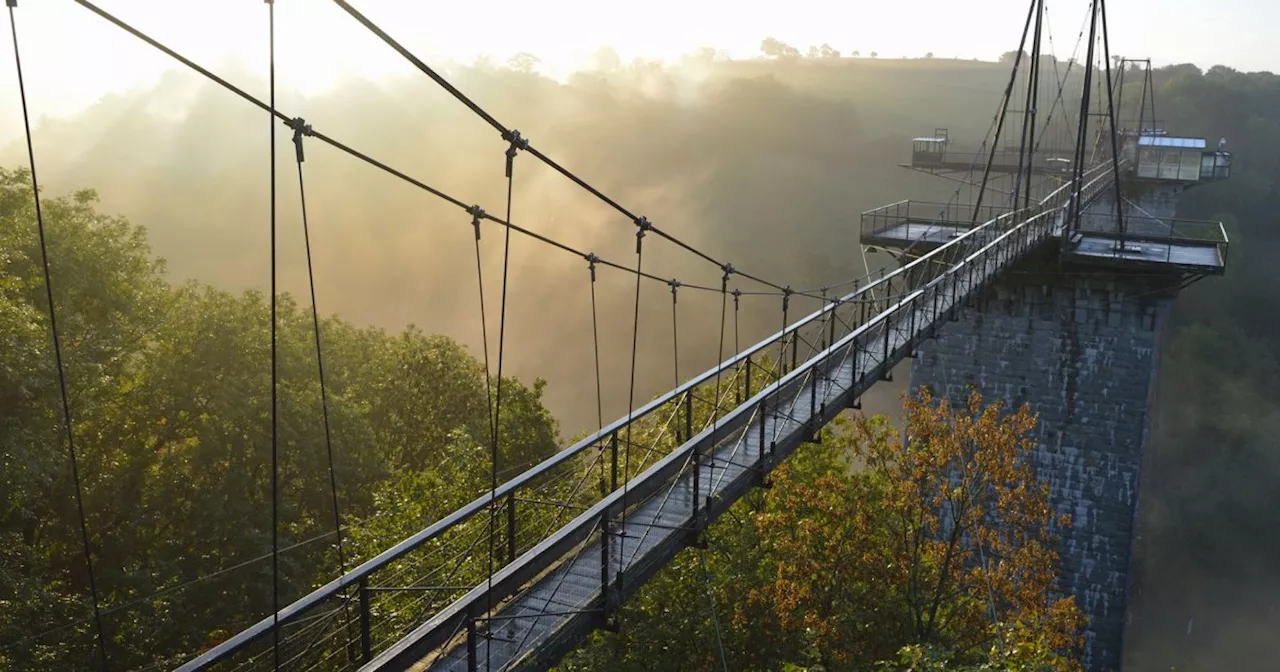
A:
[73,57]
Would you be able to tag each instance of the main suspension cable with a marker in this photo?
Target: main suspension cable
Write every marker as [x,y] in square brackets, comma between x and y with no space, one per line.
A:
[507,134]
[57,346]
[354,153]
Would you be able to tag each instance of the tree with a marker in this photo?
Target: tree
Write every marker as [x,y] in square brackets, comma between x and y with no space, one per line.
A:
[839,569]
[824,51]
[523,62]
[856,54]
[874,54]
[607,60]
[776,49]
[170,391]
[1011,56]
[929,55]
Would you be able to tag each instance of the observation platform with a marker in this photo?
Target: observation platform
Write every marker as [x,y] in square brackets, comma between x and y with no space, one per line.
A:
[936,154]
[913,228]
[922,226]
[1180,245]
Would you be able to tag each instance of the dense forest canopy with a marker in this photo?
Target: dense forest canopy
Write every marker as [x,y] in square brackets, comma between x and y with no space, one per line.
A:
[765,162]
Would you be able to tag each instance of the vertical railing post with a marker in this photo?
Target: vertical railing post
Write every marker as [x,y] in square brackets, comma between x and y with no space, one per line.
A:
[606,598]
[696,461]
[366,622]
[737,386]
[885,361]
[954,282]
[933,319]
[471,643]
[856,372]
[813,426]
[835,308]
[795,347]
[613,450]
[911,328]
[748,376]
[763,411]
[688,415]
[511,527]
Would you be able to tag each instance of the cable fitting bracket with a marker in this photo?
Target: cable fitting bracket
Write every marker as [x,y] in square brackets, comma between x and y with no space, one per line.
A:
[477,214]
[642,226]
[516,143]
[300,128]
[675,285]
[592,260]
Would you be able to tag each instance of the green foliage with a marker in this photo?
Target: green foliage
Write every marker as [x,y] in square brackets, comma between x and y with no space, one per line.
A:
[170,398]
[834,566]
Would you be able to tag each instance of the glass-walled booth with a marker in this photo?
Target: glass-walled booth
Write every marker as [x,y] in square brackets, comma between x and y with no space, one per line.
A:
[931,150]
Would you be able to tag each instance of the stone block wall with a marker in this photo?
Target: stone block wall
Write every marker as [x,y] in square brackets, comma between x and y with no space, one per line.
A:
[1079,346]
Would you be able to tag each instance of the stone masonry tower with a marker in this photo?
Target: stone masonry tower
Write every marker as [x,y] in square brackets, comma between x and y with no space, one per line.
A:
[1074,332]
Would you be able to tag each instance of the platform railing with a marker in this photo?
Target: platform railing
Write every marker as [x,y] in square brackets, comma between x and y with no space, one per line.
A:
[1165,236]
[976,160]
[910,213]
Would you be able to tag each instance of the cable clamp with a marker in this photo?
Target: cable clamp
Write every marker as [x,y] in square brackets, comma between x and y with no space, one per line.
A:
[592,260]
[786,297]
[300,128]
[516,143]
[477,214]
[675,284]
[728,270]
[642,226]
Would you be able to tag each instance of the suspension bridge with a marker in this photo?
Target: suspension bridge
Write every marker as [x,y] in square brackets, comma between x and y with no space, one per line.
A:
[520,575]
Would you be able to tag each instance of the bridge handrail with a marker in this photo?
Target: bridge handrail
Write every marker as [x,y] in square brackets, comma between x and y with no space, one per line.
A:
[435,630]
[910,211]
[356,575]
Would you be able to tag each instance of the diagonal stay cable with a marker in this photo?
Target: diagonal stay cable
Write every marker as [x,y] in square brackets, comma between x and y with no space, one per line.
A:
[299,130]
[497,405]
[57,347]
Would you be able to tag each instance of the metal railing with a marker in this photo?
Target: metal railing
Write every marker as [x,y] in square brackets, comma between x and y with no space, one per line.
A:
[909,213]
[1001,162]
[437,578]
[1152,239]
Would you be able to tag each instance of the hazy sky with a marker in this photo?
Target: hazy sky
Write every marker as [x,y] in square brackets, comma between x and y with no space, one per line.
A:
[72,57]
